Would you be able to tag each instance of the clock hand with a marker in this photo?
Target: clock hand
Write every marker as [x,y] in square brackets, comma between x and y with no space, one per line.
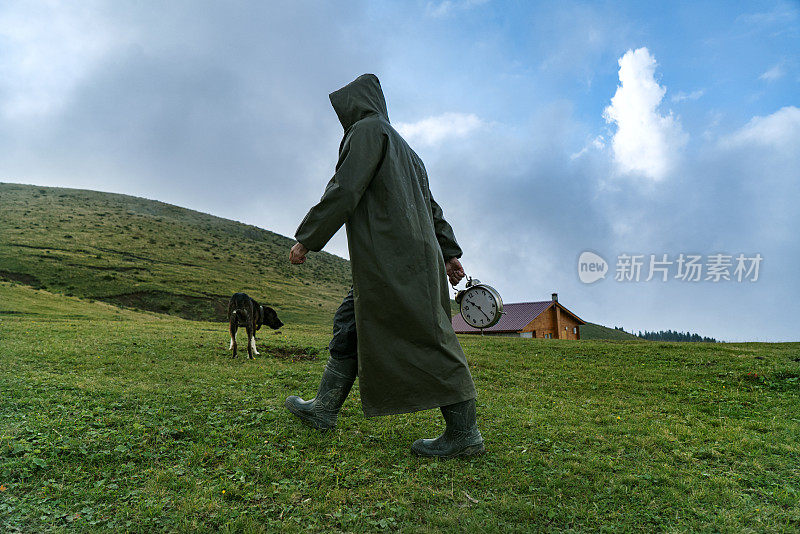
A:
[479,309]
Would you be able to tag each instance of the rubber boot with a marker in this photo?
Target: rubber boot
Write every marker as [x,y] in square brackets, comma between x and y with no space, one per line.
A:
[460,438]
[321,411]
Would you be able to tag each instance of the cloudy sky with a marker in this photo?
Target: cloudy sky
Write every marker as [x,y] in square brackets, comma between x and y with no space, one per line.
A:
[548,129]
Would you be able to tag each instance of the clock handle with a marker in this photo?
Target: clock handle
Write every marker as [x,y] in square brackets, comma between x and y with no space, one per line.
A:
[454,286]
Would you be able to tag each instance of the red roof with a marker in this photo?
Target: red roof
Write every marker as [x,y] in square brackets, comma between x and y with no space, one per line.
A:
[515,318]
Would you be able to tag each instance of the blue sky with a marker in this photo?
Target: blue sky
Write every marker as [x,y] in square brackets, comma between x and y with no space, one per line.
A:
[548,129]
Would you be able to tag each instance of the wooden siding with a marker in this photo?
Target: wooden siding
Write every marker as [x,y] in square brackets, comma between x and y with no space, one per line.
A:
[554,323]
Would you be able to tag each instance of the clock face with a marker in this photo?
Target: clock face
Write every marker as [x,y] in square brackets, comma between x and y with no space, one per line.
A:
[479,307]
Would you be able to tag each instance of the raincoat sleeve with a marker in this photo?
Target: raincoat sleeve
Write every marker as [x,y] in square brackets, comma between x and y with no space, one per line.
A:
[444,233]
[360,157]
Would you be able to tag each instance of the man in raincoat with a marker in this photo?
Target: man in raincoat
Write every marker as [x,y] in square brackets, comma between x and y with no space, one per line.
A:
[393,330]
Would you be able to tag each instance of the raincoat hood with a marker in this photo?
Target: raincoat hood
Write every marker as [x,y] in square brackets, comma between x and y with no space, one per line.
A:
[358,99]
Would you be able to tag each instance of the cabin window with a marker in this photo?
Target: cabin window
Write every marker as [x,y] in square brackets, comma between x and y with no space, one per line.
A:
[575,330]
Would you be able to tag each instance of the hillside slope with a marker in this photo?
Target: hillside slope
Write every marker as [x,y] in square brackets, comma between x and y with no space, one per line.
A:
[150,255]
[596,331]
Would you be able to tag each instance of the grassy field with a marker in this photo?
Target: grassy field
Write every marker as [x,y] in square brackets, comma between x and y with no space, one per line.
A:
[116,419]
[154,256]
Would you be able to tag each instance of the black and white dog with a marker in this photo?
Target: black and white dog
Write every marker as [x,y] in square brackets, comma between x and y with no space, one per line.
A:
[246,312]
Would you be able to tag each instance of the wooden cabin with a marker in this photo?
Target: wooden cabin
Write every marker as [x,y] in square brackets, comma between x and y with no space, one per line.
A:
[546,319]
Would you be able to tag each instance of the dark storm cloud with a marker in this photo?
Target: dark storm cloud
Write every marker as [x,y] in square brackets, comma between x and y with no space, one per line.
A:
[217,106]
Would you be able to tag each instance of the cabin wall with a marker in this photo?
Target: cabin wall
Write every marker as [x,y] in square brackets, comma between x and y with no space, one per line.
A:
[569,328]
[555,324]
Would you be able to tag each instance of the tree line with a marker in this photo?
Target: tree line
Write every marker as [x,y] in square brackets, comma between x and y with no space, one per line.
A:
[670,335]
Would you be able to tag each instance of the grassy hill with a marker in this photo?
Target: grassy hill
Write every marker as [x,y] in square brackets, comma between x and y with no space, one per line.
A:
[596,331]
[149,255]
[155,256]
[117,420]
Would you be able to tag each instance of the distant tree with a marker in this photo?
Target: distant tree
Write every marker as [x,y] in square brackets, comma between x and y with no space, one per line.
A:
[670,335]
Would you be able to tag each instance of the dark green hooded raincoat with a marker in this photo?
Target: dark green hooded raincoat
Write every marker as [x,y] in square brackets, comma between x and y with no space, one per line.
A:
[409,358]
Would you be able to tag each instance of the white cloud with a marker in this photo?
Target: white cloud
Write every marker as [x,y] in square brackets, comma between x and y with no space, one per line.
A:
[581,152]
[597,143]
[775,73]
[683,97]
[646,142]
[433,130]
[778,20]
[781,131]
[446,7]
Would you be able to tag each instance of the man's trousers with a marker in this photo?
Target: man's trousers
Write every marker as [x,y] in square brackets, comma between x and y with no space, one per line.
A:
[344,344]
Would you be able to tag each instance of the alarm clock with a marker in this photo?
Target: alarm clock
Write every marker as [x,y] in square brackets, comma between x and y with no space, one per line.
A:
[480,304]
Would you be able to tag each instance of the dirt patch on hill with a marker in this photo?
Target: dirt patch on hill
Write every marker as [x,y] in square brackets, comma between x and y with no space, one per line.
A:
[22,278]
[119,268]
[210,308]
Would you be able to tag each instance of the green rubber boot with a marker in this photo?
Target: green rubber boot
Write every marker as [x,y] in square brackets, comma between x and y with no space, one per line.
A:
[461,437]
[321,411]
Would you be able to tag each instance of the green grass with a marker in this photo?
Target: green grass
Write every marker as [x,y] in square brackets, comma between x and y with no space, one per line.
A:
[149,255]
[115,419]
[596,331]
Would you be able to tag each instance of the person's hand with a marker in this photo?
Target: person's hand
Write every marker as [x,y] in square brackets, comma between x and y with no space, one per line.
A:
[298,254]
[455,272]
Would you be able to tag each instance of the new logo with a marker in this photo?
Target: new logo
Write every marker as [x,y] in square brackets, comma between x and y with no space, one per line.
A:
[591,267]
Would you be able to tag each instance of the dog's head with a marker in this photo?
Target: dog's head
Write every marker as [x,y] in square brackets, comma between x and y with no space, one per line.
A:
[270,318]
